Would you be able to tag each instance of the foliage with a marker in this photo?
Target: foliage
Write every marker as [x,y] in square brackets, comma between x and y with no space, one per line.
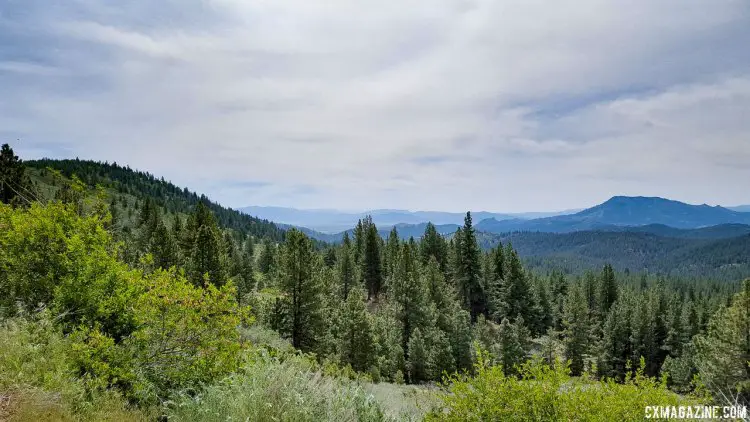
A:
[546,394]
[723,352]
[267,389]
[39,382]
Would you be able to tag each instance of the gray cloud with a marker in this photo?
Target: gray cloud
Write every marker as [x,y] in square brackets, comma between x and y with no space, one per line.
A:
[499,105]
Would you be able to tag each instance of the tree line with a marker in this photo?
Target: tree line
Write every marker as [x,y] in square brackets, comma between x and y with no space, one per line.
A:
[415,310]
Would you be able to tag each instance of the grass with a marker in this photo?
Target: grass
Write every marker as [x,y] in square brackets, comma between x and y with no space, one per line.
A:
[268,389]
[404,402]
[38,382]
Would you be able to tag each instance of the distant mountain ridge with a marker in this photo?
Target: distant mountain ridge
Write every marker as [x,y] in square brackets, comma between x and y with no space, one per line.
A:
[624,211]
[332,221]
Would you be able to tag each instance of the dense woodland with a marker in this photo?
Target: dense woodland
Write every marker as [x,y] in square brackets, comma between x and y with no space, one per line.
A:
[167,304]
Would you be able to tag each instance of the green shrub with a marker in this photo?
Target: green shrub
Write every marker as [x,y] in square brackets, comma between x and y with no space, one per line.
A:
[52,256]
[545,394]
[186,336]
[269,389]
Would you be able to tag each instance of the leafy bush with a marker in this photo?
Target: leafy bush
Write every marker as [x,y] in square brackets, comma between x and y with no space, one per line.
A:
[51,255]
[545,394]
[185,336]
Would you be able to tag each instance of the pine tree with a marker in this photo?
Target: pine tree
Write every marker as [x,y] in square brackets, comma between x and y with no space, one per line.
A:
[356,342]
[469,271]
[460,339]
[409,295]
[371,265]
[266,258]
[616,352]
[656,352]
[15,187]
[419,369]
[519,294]
[576,334]
[559,291]
[346,269]
[723,351]
[300,283]
[442,360]
[543,310]
[513,341]
[246,280]
[163,247]
[330,258]
[433,246]
[392,248]
[607,289]
[208,258]
[440,294]
[360,234]
[675,333]
[497,291]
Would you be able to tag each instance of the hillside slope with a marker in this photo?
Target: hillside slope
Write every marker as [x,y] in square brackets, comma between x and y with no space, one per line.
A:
[724,258]
[142,185]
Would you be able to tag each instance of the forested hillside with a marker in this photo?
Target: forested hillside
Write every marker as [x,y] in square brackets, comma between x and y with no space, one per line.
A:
[187,318]
[142,186]
[631,251]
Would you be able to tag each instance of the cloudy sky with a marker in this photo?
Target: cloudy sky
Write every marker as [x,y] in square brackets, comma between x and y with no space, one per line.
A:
[426,104]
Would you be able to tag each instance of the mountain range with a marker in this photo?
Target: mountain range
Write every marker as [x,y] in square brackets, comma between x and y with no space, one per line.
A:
[624,211]
[333,221]
[654,215]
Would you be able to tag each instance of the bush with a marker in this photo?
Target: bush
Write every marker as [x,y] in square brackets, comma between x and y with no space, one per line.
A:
[50,255]
[38,380]
[186,336]
[546,394]
[269,389]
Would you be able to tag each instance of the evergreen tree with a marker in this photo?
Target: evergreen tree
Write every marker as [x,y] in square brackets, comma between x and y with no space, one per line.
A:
[356,342]
[433,246]
[442,360]
[330,258]
[616,352]
[440,293]
[576,335]
[409,295]
[723,352]
[469,271]
[300,283]
[246,280]
[266,258]
[675,333]
[14,184]
[519,297]
[360,234]
[392,249]
[607,288]
[346,269]
[513,341]
[371,265]
[208,258]
[418,362]
[497,291]
[460,339]
[543,311]
[559,291]
[163,247]
[656,352]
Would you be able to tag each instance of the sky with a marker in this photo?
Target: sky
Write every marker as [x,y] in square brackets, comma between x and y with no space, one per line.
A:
[449,105]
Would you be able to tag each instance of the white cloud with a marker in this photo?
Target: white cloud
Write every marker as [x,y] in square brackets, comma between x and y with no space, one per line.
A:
[501,105]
